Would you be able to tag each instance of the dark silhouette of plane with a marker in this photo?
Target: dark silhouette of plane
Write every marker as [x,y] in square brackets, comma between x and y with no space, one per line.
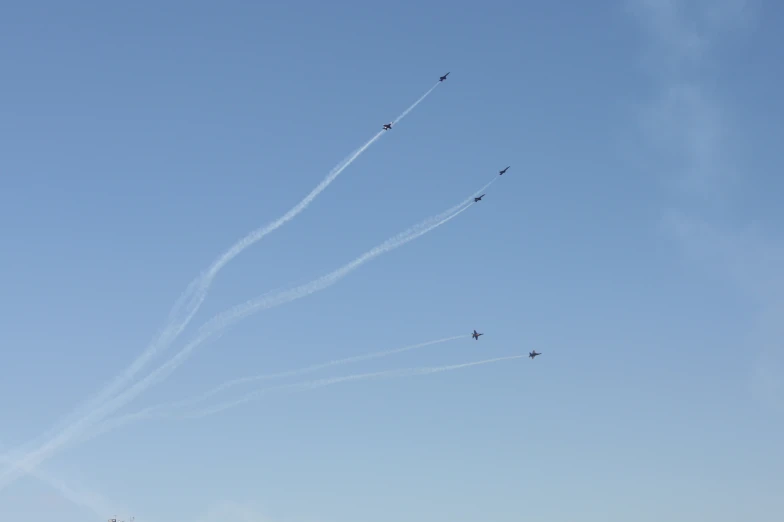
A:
[443,77]
[476,335]
[533,354]
[501,172]
[479,198]
[387,126]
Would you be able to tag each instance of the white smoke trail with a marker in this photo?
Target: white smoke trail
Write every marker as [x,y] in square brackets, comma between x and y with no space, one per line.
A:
[415,104]
[486,186]
[307,369]
[309,385]
[154,411]
[150,410]
[218,323]
[197,289]
[225,319]
[196,292]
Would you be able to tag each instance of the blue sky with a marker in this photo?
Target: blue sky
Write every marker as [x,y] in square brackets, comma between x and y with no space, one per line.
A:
[635,241]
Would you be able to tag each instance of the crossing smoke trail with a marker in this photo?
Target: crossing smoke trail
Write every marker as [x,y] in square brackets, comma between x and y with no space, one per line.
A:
[151,410]
[222,321]
[199,286]
[307,369]
[307,385]
[196,292]
[310,385]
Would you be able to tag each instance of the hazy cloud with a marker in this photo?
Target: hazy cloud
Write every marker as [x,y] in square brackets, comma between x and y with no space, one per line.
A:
[689,132]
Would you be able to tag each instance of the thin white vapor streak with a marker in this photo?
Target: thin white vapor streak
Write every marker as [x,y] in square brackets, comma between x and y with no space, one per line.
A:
[415,104]
[310,385]
[307,369]
[225,319]
[150,411]
[196,292]
[202,282]
[306,385]
[219,323]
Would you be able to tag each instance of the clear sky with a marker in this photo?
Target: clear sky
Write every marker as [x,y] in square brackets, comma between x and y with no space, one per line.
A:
[636,241]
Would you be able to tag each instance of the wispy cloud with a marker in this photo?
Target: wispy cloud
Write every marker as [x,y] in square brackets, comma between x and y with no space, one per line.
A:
[672,39]
[683,33]
[686,124]
[689,130]
[749,256]
[752,260]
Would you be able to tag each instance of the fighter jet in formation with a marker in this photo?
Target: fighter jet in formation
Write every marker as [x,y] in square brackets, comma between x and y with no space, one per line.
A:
[443,77]
[532,354]
[479,198]
[387,126]
[501,172]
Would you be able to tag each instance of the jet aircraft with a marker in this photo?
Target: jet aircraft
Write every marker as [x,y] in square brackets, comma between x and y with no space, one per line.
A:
[443,77]
[479,198]
[387,126]
[501,172]
[476,335]
[533,354]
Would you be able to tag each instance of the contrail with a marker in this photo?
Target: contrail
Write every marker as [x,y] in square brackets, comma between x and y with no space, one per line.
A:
[306,385]
[150,411]
[196,292]
[225,319]
[289,373]
[239,312]
[309,385]
[307,369]
[415,104]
